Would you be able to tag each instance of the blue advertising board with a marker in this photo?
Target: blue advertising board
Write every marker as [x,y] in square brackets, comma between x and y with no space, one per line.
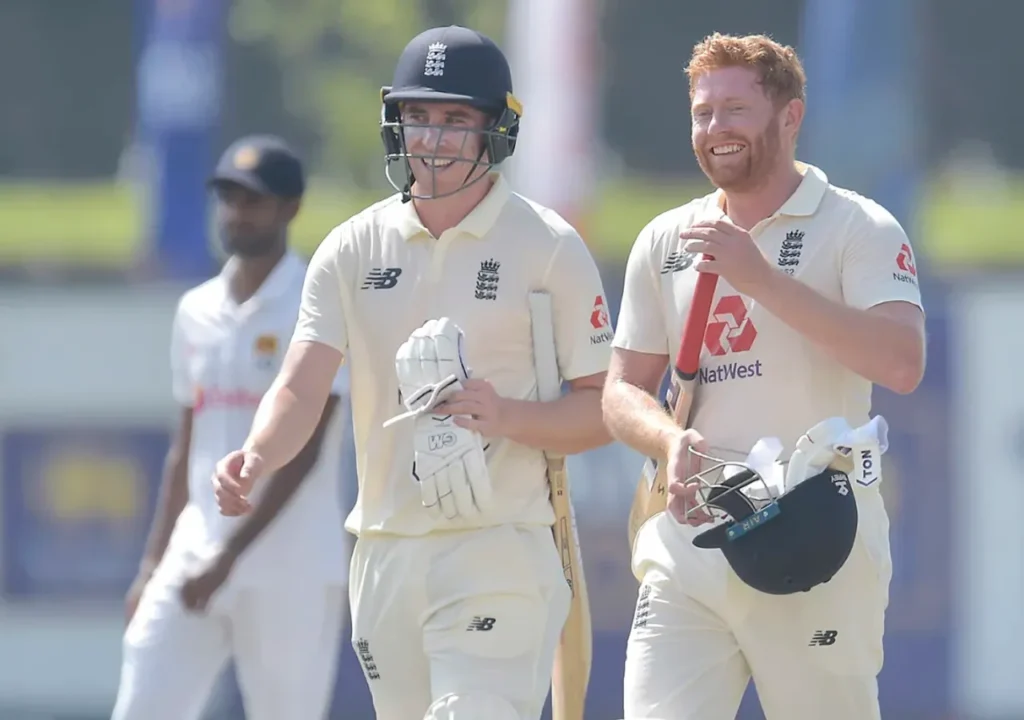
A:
[77,503]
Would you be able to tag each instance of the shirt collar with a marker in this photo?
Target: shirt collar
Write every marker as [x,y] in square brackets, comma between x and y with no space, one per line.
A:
[805,199]
[477,223]
[281,279]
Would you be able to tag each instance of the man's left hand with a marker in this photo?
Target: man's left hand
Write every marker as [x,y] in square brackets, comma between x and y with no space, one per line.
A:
[736,256]
[198,589]
[478,407]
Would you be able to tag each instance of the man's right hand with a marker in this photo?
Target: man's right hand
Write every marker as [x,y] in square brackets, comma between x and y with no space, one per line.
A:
[233,480]
[682,491]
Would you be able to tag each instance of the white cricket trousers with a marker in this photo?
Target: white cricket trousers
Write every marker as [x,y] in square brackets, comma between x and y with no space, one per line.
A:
[700,634]
[284,640]
[474,613]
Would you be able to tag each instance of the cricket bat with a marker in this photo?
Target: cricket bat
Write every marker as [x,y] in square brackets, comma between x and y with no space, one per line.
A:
[573,656]
[651,495]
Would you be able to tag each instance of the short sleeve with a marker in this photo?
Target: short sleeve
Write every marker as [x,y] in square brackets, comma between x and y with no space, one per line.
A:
[181,381]
[641,322]
[878,263]
[583,328]
[321,312]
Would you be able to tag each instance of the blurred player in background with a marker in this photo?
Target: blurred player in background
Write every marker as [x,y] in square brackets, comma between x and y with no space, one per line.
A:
[458,602]
[817,300]
[267,588]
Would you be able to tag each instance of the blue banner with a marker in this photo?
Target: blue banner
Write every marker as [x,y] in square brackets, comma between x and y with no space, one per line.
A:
[861,125]
[179,77]
[77,503]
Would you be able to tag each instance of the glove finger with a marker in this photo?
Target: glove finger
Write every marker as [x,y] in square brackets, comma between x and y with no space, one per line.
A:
[444,492]
[449,347]
[428,495]
[462,492]
[427,351]
[476,469]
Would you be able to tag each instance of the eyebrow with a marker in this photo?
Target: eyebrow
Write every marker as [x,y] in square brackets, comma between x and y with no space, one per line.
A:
[729,99]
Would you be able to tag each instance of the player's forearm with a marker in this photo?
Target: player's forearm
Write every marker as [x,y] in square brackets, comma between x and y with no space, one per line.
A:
[284,423]
[572,424]
[635,418]
[171,501]
[280,489]
[880,349]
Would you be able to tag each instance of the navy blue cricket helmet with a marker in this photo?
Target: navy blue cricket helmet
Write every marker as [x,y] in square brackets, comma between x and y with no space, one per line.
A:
[790,544]
[453,65]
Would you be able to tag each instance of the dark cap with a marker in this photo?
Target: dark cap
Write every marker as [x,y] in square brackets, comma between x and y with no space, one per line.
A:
[264,164]
[452,64]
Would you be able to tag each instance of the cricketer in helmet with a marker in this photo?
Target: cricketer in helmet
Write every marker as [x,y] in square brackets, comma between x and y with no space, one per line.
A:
[449,116]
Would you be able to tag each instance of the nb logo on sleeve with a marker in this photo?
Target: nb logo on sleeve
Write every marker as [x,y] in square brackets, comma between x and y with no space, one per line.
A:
[823,638]
[481,624]
[382,278]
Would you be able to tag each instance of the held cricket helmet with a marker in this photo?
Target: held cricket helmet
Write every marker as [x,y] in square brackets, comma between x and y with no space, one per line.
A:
[454,65]
[781,543]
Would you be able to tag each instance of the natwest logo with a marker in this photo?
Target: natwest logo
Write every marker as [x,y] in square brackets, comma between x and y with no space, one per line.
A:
[905,263]
[599,316]
[210,398]
[600,322]
[731,330]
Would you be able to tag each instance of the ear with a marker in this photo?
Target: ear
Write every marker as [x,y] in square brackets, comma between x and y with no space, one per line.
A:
[290,208]
[793,117]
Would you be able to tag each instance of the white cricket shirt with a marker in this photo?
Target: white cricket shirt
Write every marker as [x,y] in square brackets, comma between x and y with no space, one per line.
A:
[224,357]
[759,377]
[380,275]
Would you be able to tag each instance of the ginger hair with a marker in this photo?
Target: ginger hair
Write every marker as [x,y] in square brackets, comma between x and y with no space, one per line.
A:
[779,70]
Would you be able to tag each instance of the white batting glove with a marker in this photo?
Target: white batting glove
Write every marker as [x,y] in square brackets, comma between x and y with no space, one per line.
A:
[449,460]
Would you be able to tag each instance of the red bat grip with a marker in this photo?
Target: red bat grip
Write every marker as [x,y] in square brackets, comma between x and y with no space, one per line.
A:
[688,358]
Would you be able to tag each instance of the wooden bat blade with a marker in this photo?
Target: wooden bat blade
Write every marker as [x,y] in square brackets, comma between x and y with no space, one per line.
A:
[570,674]
[651,493]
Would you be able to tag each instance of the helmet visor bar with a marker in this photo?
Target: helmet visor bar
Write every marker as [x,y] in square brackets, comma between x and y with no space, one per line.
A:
[429,150]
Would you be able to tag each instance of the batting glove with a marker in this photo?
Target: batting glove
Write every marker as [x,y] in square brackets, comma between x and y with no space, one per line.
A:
[449,462]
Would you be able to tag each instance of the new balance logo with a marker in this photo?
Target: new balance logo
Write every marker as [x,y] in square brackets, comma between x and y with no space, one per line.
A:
[382,278]
[789,254]
[481,624]
[823,638]
[677,262]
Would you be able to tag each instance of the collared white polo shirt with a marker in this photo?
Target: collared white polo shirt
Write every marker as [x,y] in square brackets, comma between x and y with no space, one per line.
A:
[380,275]
[758,376]
[224,358]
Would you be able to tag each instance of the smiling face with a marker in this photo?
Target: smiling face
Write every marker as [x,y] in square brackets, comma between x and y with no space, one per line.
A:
[746,104]
[445,145]
[736,131]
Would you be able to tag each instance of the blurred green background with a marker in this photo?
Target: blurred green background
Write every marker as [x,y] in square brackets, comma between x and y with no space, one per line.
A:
[101,223]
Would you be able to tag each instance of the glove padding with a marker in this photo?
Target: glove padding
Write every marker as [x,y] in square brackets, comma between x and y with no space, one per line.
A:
[449,460]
